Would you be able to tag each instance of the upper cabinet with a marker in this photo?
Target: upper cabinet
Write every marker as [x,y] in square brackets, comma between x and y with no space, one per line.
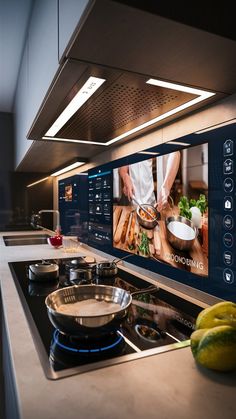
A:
[38,68]
[70,15]
[43,51]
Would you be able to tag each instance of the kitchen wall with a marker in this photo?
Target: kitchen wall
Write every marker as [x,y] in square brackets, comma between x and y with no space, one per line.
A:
[6,166]
[17,202]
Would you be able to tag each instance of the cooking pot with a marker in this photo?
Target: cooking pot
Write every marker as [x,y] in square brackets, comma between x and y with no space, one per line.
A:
[91,324]
[109,268]
[44,271]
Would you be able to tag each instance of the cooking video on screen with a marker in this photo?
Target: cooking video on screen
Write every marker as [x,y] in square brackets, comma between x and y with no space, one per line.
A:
[160,209]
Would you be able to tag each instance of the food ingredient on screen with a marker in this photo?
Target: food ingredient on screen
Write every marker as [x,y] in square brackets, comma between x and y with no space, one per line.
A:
[185,205]
[201,203]
[90,307]
[184,209]
[131,237]
[157,241]
[145,216]
[213,343]
[124,229]
[144,244]
[196,217]
[181,230]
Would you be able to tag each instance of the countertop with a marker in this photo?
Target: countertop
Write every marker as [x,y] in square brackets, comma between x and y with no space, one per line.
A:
[166,385]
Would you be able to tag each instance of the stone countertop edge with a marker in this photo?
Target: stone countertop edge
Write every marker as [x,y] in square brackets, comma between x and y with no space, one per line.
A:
[166,385]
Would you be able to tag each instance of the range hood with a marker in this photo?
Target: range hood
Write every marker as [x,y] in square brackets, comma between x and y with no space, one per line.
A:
[123,104]
[127,47]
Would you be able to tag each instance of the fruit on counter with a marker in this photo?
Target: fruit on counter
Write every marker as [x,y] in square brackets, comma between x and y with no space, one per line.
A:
[215,348]
[55,241]
[223,313]
[213,343]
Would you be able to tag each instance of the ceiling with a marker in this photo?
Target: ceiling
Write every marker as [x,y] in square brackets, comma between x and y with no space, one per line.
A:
[14,18]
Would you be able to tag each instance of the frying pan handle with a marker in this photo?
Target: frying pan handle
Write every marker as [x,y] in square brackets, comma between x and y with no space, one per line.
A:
[148,290]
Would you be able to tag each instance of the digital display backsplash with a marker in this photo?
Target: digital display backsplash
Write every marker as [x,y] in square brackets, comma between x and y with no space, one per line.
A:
[172,209]
[171,225]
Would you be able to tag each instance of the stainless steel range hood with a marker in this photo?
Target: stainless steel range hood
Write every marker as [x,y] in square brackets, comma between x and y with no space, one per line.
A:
[126,103]
[126,47]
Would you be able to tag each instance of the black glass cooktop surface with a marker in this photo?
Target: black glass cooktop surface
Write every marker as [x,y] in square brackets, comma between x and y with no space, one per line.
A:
[156,322]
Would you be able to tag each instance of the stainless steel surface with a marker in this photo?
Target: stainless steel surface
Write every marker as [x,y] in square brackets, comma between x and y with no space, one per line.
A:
[81,274]
[36,219]
[148,223]
[87,325]
[90,325]
[107,268]
[25,240]
[176,242]
[118,360]
[44,271]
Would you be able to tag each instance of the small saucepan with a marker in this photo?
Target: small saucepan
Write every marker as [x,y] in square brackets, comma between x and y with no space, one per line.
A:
[44,271]
[109,268]
[88,310]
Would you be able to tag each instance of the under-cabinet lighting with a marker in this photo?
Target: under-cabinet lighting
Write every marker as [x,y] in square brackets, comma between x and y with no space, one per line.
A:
[67,168]
[178,143]
[151,153]
[86,91]
[37,181]
[223,124]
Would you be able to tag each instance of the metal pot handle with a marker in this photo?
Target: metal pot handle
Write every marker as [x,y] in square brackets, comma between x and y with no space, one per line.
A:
[123,258]
[151,288]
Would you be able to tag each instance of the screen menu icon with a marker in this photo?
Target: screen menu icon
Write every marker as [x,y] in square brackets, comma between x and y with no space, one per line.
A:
[228,148]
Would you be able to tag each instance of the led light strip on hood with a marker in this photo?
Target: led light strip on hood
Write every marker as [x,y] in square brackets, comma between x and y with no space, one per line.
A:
[86,91]
[90,87]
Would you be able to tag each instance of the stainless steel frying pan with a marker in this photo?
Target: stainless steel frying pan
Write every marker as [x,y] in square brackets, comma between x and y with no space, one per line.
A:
[94,324]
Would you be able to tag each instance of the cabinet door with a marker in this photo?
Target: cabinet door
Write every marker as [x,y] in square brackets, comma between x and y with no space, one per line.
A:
[70,13]
[21,110]
[43,52]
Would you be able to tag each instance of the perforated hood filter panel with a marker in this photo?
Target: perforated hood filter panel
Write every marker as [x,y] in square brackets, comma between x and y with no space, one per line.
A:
[124,102]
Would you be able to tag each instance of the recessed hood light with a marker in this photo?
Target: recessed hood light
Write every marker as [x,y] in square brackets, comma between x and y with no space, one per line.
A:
[67,168]
[86,91]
